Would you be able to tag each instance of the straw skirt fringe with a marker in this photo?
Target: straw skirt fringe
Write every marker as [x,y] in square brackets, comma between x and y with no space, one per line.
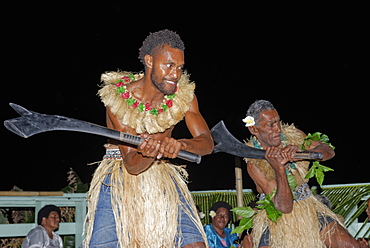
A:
[145,205]
[300,228]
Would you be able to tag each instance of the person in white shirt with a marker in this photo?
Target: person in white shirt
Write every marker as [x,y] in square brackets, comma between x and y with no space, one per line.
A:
[43,236]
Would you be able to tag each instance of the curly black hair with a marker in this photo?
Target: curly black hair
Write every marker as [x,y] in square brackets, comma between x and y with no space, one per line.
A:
[158,40]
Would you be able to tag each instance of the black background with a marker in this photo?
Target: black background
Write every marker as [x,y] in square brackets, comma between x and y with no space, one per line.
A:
[311,62]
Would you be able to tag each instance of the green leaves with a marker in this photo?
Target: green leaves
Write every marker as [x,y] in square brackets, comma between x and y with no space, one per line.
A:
[75,185]
[269,206]
[141,107]
[153,111]
[130,101]
[248,213]
[315,137]
[69,241]
[318,170]
[164,107]
[245,212]
[171,97]
[131,77]
[120,90]
[247,221]
[292,182]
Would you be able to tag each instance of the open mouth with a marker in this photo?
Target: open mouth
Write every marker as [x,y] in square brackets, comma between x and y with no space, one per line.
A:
[171,82]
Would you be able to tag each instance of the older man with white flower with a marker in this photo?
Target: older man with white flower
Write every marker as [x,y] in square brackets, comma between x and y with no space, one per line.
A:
[281,181]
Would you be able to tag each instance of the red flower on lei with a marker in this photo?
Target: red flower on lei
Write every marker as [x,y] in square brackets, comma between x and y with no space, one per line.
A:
[126,95]
[169,103]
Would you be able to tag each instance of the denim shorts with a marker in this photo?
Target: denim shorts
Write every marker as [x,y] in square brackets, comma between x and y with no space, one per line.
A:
[104,230]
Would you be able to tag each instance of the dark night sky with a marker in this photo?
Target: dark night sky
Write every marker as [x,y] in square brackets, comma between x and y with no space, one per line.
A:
[312,66]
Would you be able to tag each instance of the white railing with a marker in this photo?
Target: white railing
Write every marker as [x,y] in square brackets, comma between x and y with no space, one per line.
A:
[76,200]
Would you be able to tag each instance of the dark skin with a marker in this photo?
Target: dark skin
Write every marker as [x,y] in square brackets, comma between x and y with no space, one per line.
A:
[267,131]
[220,221]
[51,223]
[163,70]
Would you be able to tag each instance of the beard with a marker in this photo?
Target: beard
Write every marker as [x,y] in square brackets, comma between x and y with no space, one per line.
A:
[161,85]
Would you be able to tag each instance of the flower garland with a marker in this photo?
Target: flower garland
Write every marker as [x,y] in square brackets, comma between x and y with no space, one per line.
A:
[121,89]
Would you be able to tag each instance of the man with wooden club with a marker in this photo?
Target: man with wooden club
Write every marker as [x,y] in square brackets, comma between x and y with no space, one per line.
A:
[137,198]
[281,179]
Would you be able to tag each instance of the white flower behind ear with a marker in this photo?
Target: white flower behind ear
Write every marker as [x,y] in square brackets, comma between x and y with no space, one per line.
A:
[212,213]
[249,121]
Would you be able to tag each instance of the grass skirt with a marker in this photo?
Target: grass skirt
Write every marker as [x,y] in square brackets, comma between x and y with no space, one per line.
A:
[145,206]
[300,228]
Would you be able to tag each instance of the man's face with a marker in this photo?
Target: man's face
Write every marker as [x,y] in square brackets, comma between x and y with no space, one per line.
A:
[221,219]
[268,129]
[167,69]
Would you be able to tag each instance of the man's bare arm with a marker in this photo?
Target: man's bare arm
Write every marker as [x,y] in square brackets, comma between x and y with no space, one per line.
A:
[134,162]
[326,150]
[318,146]
[283,198]
[202,142]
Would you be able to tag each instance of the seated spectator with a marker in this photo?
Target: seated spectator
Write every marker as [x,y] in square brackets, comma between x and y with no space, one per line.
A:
[218,235]
[43,236]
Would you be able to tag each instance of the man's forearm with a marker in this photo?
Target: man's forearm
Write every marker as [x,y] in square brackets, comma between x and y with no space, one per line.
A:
[326,151]
[283,199]
[135,162]
[201,145]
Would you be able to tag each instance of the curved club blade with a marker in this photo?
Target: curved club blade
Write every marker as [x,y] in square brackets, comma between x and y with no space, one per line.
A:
[22,127]
[227,143]
[20,110]
[31,123]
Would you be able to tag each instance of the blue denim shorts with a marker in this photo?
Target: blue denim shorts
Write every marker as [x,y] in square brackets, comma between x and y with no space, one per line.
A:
[104,231]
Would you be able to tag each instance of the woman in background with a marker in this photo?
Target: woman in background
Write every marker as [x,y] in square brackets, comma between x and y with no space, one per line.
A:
[218,235]
[43,236]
